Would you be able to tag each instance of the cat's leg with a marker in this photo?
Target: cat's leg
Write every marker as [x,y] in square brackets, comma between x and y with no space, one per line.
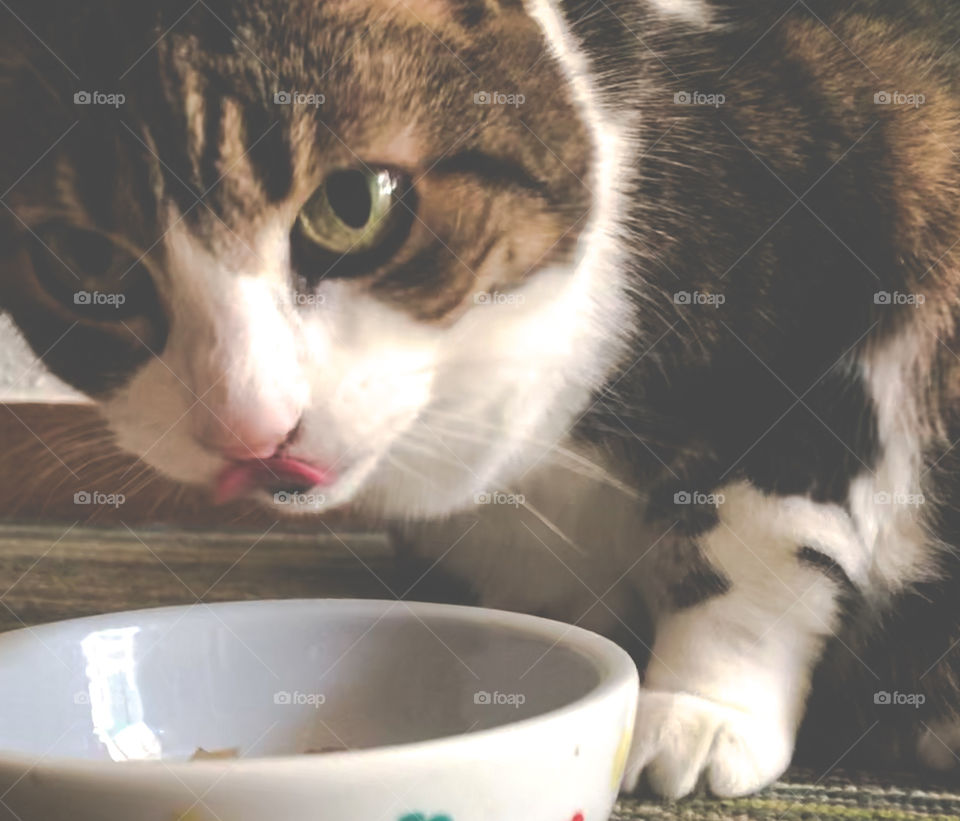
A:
[725,688]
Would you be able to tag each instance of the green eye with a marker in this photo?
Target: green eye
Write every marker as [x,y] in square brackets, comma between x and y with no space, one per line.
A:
[355,211]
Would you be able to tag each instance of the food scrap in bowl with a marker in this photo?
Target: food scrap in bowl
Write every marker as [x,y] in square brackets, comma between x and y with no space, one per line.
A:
[209,755]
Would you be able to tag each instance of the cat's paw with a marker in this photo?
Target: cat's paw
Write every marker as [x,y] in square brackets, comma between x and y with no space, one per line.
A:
[680,737]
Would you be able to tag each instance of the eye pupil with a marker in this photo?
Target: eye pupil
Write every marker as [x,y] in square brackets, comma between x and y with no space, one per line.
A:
[348,193]
[353,223]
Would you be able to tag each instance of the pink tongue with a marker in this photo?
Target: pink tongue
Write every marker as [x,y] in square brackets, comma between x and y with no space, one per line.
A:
[282,473]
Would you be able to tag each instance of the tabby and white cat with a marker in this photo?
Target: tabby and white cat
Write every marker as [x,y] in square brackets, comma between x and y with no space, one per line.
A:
[650,304]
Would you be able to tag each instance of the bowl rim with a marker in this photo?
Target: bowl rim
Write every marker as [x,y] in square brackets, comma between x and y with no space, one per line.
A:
[615,668]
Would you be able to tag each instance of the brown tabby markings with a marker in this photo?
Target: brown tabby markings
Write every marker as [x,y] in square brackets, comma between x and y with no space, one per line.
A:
[502,190]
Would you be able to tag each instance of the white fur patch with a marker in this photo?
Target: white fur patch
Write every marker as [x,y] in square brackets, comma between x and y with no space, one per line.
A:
[696,12]
[888,505]
[225,324]
[726,686]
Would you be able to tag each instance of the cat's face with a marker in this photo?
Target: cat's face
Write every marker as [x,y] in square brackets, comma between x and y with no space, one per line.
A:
[354,236]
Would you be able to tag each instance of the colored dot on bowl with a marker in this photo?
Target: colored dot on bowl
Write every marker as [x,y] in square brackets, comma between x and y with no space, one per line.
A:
[578,817]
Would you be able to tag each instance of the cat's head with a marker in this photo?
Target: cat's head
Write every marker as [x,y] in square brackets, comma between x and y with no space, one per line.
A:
[361,241]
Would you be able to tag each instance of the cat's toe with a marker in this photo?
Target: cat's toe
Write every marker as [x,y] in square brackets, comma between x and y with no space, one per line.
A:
[748,756]
[680,738]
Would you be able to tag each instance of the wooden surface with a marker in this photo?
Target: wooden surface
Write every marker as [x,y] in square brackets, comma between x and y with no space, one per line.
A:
[57,572]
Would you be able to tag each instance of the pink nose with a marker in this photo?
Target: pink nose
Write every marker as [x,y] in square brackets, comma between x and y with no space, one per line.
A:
[256,435]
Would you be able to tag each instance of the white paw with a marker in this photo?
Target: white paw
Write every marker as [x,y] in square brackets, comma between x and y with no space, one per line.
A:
[680,736]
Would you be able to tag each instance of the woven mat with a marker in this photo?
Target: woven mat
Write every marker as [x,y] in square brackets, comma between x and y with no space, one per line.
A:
[805,796]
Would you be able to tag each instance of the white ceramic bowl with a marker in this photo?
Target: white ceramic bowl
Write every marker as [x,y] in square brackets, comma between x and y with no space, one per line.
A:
[448,713]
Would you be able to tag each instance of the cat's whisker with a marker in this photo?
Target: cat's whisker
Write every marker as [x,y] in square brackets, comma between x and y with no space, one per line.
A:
[552,527]
[592,470]
[550,456]
[162,499]
[134,485]
[409,471]
[66,477]
[411,445]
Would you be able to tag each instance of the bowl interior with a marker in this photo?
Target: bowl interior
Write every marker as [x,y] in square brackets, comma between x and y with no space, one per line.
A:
[276,678]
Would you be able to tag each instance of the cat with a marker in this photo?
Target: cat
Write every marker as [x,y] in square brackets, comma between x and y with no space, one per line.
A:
[634,313]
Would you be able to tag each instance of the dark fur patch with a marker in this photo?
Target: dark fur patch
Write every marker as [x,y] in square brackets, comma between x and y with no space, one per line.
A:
[820,561]
[766,386]
[698,586]
[685,504]
[494,170]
